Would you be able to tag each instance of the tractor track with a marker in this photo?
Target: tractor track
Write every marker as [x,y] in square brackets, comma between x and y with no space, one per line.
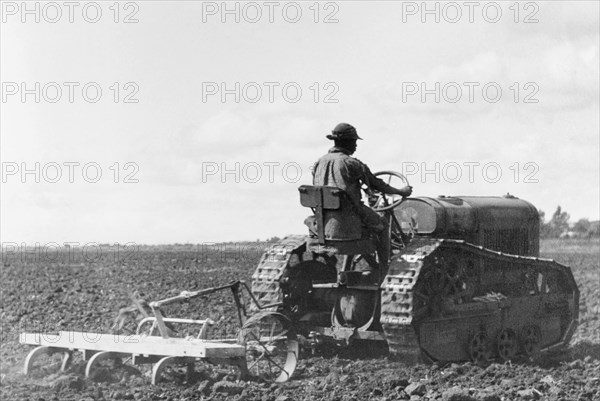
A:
[399,297]
[265,280]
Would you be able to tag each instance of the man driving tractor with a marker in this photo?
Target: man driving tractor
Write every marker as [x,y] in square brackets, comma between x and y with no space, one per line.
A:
[339,169]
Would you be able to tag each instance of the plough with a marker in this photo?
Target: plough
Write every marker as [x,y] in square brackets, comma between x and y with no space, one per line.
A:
[265,347]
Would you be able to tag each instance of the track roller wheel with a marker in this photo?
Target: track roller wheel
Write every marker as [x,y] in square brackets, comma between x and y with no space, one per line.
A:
[479,348]
[506,344]
[530,340]
[45,360]
[101,366]
[271,348]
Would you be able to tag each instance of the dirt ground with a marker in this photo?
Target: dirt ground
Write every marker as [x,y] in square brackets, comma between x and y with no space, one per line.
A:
[83,293]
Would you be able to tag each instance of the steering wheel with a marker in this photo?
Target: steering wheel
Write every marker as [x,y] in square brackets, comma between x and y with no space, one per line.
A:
[383,202]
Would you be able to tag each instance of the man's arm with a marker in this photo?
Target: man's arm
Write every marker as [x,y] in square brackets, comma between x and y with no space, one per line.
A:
[369,179]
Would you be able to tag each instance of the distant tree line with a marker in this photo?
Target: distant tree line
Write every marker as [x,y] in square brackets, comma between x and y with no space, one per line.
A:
[559,226]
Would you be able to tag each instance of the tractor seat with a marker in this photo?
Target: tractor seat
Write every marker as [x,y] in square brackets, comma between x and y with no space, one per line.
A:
[336,227]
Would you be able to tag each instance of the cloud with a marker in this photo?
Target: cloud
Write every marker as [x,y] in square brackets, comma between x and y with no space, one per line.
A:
[230,140]
[560,76]
[558,20]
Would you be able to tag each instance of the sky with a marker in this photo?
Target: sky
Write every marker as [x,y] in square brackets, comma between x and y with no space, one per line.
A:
[190,122]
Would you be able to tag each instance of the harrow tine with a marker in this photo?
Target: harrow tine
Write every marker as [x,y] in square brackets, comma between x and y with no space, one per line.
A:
[204,330]
[45,350]
[159,367]
[32,356]
[66,361]
[96,359]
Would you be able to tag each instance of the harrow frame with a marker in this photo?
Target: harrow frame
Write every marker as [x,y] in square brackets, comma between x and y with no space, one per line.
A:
[165,349]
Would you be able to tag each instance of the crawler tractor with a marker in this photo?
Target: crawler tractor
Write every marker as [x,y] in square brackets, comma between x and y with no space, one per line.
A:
[464,279]
[461,280]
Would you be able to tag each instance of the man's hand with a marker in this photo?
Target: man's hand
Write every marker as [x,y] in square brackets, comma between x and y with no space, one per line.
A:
[405,191]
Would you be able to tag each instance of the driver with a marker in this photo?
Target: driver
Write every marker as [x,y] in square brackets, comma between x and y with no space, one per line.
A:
[339,169]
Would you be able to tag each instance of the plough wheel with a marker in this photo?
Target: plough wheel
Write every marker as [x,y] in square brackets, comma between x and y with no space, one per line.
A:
[160,368]
[98,362]
[271,347]
[43,359]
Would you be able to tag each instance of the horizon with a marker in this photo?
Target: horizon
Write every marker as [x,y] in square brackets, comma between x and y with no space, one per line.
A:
[234,242]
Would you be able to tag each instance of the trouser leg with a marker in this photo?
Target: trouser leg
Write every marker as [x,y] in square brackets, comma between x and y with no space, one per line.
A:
[379,225]
[383,248]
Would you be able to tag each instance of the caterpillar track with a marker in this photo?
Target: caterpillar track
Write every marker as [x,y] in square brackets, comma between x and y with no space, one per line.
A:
[397,298]
[265,280]
[439,295]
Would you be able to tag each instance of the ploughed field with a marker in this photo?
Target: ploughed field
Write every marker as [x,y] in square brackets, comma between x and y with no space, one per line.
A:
[48,293]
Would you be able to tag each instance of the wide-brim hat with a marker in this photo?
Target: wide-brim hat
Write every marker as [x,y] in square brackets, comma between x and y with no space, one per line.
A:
[344,131]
